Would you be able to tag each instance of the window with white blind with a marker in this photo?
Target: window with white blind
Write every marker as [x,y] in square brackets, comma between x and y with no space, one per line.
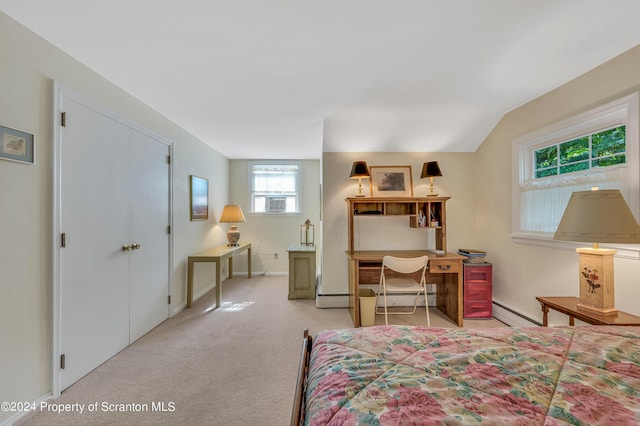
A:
[597,148]
[275,187]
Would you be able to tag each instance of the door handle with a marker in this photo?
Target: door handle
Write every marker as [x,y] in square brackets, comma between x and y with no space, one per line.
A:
[131,247]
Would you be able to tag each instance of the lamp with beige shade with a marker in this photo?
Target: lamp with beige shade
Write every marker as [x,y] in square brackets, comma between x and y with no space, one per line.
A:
[597,216]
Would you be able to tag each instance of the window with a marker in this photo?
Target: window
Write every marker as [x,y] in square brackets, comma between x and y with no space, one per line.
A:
[274,187]
[597,148]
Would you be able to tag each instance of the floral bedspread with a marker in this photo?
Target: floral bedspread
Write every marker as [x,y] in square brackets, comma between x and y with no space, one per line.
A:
[399,375]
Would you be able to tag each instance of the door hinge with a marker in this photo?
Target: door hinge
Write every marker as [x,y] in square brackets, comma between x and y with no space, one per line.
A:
[169,229]
[62,362]
[63,119]
[63,240]
[168,159]
[168,299]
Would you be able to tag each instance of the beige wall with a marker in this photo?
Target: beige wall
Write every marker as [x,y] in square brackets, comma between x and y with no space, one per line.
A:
[271,234]
[31,65]
[479,212]
[458,170]
[522,272]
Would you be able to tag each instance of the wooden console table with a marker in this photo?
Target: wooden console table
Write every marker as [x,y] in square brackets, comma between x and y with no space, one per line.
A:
[569,306]
[445,270]
[217,255]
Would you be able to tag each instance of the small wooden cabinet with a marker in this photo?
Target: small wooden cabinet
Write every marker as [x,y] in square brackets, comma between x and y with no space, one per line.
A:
[302,272]
[478,297]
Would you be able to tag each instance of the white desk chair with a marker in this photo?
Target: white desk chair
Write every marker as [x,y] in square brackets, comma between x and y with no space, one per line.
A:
[404,283]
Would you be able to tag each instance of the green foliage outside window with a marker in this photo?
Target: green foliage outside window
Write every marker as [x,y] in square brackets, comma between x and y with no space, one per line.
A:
[602,149]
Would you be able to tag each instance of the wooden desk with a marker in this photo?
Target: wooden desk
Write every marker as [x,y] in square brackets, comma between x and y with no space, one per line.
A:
[217,255]
[445,270]
[569,306]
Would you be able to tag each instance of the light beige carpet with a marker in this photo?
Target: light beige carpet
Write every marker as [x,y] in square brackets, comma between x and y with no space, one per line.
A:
[231,366]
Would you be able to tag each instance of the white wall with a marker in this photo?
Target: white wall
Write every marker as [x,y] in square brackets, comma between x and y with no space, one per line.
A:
[522,272]
[271,234]
[30,66]
[458,170]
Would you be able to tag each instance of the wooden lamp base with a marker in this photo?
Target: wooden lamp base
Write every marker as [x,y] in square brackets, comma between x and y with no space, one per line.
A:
[596,281]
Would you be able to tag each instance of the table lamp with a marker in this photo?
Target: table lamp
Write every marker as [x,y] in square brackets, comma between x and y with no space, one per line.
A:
[597,216]
[359,170]
[232,213]
[430,170]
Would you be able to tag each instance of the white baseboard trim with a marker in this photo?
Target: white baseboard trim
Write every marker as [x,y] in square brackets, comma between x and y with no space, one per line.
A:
[329,301]
[511,317]
[22,414]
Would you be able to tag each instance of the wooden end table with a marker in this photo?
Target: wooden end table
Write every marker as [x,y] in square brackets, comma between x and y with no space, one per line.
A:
[569,306]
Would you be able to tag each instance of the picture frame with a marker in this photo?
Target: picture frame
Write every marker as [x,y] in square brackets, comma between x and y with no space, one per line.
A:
[391,181]
[17,146]
[199,189]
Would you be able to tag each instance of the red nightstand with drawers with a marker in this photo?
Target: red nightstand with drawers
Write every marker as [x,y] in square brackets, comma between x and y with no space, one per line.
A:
[477,290]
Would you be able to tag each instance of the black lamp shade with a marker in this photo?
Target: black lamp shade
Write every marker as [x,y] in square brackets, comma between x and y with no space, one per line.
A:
[359,169]
[430,169]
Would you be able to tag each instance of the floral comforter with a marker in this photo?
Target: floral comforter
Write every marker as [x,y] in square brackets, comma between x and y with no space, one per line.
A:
[398,375]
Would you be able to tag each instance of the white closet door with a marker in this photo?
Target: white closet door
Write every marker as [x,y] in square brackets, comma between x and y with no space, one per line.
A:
[94,271]
[114,192]
[150,217]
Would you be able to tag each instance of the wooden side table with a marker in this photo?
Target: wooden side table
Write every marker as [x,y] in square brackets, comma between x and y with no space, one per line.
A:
[569,306]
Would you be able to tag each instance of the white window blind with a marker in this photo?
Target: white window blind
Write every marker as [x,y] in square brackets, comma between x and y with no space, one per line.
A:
[538,203]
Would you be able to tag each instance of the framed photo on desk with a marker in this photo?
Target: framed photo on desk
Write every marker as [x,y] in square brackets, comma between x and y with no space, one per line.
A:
[391,181]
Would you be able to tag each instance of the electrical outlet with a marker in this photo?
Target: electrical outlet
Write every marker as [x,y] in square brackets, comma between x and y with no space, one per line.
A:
[275,255]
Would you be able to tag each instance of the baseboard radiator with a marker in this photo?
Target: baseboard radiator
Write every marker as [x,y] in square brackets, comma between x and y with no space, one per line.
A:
[501,312]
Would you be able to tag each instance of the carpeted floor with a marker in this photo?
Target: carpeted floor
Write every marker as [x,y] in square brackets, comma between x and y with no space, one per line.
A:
[231,366]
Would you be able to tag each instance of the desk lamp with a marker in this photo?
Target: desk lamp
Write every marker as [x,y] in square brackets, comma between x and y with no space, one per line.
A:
[430,170]
[359,169]
[597,216]
[232,213]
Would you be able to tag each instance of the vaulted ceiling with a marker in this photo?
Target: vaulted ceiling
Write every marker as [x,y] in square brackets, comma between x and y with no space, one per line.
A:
[293,78]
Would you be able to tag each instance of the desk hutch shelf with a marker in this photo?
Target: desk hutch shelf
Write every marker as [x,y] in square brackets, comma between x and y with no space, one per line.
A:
[433,209]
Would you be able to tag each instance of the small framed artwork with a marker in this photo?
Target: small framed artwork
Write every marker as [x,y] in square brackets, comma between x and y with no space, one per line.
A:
[16,145]
[391,181]
[199,198]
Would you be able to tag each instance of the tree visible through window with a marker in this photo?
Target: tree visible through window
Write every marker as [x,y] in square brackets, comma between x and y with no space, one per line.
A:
[602,149]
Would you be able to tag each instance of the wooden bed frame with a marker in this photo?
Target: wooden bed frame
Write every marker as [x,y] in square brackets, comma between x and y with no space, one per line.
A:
[297,414]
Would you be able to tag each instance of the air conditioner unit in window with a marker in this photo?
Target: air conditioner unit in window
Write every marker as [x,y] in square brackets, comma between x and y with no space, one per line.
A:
[276,204]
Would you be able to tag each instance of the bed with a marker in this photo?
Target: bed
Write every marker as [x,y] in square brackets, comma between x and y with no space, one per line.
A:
[390,375]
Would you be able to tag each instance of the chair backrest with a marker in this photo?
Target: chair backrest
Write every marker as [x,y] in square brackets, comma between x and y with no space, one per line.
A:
[405,265]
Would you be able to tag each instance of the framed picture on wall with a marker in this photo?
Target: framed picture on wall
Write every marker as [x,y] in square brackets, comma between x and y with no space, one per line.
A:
[199,198]
[16,145]
[391,181]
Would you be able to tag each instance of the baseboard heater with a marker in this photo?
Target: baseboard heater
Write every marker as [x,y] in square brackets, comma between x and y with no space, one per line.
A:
[501,312]
[511,317]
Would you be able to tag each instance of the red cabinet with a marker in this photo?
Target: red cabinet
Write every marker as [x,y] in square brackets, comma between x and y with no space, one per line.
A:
[477,290]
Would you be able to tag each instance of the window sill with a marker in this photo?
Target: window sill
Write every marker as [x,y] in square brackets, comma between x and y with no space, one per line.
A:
[270,214]
[626,251]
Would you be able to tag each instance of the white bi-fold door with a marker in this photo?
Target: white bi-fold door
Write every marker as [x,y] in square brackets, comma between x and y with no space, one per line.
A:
[114,213]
